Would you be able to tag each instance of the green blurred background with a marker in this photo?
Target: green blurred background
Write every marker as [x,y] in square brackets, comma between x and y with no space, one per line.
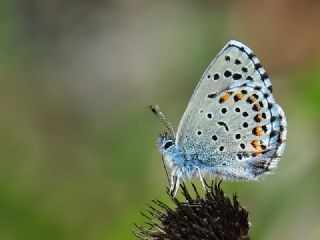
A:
[78,157]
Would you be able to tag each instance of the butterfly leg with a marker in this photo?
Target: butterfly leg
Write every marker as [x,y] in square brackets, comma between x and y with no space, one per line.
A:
[174,186]
[201,179]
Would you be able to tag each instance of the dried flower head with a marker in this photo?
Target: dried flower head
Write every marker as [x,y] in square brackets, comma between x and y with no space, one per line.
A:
[213,217]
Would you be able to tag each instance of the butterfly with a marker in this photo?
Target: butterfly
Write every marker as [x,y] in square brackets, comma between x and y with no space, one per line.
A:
[232,128]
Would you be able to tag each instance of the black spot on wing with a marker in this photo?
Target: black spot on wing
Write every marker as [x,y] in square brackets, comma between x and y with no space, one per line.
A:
[237,62]
[236,76]
[224,124]
[212,95]
[227,73]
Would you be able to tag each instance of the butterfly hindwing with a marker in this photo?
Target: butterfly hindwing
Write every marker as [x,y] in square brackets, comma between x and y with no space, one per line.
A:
[232,118]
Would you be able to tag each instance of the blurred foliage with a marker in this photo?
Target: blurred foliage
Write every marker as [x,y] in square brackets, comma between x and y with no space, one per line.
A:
[78,154]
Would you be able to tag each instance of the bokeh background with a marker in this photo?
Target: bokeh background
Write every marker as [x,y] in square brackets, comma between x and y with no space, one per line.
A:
[78,158]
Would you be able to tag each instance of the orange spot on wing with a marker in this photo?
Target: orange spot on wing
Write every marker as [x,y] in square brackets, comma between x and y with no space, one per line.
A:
[255,143]
[257,131]
[224,98]
[252,99]
[257,106]
[239,96]
[259,117]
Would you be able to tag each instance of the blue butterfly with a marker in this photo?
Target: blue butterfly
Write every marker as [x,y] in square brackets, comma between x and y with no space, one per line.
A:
[232,127]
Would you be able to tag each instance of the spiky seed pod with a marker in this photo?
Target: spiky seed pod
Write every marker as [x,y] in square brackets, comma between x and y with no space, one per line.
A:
[213,217]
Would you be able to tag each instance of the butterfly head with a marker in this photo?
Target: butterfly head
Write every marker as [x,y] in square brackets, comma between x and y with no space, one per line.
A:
[166,143]
[169,150]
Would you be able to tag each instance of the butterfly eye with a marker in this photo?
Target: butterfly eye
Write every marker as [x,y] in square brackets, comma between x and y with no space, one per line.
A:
[167,145]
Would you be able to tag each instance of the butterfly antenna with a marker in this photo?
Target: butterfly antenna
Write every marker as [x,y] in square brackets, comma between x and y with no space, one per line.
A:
[156,110]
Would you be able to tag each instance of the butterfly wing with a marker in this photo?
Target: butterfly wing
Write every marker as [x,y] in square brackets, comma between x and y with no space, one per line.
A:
[232,118]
